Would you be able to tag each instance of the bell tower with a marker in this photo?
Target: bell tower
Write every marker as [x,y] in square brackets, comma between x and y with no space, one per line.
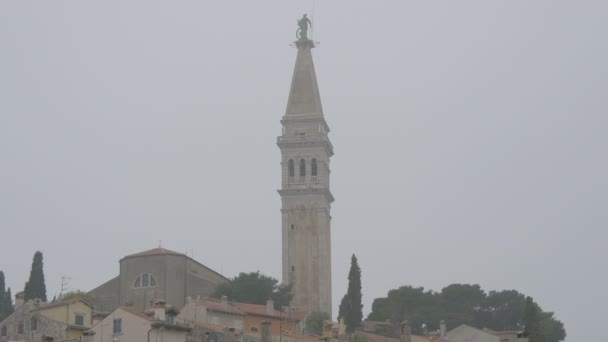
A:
[305,195]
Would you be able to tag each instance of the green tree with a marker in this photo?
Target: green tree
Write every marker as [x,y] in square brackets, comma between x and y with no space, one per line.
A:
[413,304]
[314,323]
[532,319]
[254,288]
[551,328]
[80,295]
[462,303]
[351,308]
[35,286]
[6,302]
[503,310]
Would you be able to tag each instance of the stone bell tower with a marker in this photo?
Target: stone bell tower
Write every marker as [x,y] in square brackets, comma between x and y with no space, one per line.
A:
[306,198]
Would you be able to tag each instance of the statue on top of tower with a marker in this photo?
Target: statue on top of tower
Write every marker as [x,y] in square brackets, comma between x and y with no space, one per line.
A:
[302,32]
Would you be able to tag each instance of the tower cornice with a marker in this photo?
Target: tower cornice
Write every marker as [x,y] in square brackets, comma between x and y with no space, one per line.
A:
[307,191]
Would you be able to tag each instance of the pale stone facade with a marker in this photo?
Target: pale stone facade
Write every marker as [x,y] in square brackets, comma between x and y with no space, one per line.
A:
[306,198]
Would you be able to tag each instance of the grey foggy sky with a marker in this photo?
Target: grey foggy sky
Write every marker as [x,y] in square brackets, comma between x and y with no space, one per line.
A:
[470,141]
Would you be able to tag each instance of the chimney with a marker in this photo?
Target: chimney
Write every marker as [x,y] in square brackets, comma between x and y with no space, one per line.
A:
[88,336]
[98,317]
[406,332]
[19,299]
[266,331]
[225,302]
[159,310]
[270,307]
[442,328]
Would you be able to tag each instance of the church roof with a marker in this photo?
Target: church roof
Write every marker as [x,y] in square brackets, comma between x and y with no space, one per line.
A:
[155,251]
[304,95]
[164,251]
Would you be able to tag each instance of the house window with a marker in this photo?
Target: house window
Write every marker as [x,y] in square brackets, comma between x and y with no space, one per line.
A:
[79,319]
[302,168]
[253,329]
[293,227]
[313,167]
[20,328]
[4,331]
[117,326]
[145,280]
[34,324]
[293,268]
[291,168]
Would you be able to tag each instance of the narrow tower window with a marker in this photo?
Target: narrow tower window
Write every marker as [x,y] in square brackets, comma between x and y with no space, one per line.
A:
[302,168]
[293,227]
[313,167]
[291,169]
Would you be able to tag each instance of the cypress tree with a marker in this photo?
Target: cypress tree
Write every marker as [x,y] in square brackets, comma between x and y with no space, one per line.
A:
[351,309]
[6,304]
[2,296]
[35,286]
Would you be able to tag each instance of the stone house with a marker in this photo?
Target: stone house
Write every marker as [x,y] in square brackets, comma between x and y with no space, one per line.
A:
[127,324]
[156,274]
[37,321]
[243,317]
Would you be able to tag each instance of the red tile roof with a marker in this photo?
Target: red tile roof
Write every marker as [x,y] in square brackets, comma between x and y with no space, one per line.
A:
[137,313]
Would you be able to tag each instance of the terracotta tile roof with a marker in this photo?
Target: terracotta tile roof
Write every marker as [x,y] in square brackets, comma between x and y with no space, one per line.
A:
[218,305]
[137,313]
[44,306]
[155,251]
[258,310]
[164,251]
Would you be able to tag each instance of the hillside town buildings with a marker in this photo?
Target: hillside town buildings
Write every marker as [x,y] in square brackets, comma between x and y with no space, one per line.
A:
[163,295]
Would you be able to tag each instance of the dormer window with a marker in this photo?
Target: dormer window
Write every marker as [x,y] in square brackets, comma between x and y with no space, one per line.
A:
[145,280]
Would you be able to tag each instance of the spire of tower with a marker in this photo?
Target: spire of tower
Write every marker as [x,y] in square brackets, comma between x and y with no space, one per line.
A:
[304,95]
